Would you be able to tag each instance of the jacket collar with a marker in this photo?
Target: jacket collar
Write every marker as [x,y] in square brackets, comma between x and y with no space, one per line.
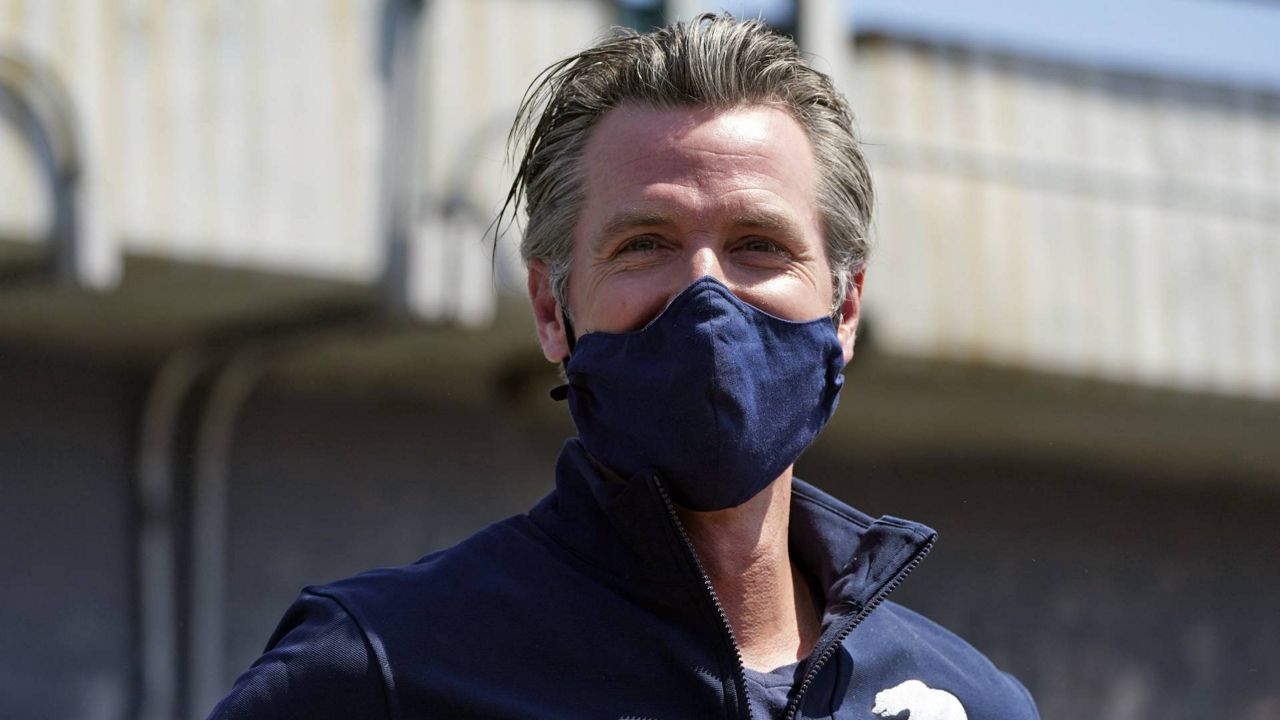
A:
[855,558]
[624,528]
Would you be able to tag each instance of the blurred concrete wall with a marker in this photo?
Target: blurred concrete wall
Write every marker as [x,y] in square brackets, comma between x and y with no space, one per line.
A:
[1073,219]
[1034,214]
[69,629]
[276,138]
[235,133]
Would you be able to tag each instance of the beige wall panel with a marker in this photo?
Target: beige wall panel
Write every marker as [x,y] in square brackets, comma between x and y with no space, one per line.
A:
[1029,214]
[480,59]
[898,298]
[881,105]
[1038,120]
[1127,106]
[994,91]
[1266,147]
[483,56]
[1263,311]
[944,270]
[1148,356]
[1098,325]
[218,131]
[1076,222]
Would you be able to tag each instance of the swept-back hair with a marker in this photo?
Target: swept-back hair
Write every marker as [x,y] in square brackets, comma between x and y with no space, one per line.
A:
[714,61]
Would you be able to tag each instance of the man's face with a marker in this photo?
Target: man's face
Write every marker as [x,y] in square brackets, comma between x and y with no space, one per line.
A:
[677,194]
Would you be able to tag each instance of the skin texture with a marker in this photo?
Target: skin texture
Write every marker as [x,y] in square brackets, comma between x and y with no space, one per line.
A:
[673,195]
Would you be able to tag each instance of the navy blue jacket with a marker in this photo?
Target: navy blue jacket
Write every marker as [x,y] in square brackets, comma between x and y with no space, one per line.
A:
[593,605]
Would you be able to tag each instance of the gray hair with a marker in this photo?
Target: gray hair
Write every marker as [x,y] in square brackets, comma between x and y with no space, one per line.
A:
[714,61]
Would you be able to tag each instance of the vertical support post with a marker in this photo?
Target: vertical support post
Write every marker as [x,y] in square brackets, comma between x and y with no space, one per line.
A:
[683,10]
[401,52]
[825,36]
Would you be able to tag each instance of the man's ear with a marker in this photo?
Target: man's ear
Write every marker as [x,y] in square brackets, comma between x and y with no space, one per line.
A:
[547,313]
[850,312]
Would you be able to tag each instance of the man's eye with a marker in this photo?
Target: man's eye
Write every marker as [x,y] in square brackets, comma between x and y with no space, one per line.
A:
[644,243]
[762,245]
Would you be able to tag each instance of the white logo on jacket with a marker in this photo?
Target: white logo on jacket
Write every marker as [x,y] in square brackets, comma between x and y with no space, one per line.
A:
[919,702]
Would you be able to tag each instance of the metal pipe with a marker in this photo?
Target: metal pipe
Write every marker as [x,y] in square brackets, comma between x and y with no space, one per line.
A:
[157,533]
[36,102]
[230,389]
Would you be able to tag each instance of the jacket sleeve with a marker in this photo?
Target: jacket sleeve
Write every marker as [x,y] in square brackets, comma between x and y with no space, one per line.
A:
[317,665]
[1032,710]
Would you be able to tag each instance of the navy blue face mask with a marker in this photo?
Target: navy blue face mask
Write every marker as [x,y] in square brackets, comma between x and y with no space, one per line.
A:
[718,396]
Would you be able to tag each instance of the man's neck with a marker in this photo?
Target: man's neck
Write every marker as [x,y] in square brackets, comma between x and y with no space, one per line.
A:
[745,553]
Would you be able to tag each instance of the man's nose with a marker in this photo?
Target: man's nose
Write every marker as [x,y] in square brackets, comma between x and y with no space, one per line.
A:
[704,261]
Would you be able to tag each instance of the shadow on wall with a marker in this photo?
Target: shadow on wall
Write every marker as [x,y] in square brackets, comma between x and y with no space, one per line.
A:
[66,559]
[1110,599]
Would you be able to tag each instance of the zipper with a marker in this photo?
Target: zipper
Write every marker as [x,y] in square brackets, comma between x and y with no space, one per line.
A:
[741,673]
[829,649]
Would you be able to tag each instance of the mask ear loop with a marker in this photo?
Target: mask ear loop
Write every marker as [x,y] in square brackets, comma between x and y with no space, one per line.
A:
[560,392]
[568,333]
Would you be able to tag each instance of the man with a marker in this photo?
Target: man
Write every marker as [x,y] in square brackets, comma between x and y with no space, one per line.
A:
[696,242]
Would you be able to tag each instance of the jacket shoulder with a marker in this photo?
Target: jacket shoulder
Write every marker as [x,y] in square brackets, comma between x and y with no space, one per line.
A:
[468,567]
[332,654]
[318,664]
[925,651]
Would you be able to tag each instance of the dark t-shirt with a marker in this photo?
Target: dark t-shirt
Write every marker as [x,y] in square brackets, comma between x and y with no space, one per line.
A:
[768,692]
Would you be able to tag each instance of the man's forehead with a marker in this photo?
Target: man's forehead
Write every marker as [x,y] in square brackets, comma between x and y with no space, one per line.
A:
[753,165]
[633,144]
[630,130]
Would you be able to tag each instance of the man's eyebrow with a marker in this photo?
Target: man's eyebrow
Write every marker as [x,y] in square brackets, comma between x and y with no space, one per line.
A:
[629,219]
[766,221]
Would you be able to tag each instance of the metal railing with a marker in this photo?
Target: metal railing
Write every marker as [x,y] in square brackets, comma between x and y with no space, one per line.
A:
[35,102]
